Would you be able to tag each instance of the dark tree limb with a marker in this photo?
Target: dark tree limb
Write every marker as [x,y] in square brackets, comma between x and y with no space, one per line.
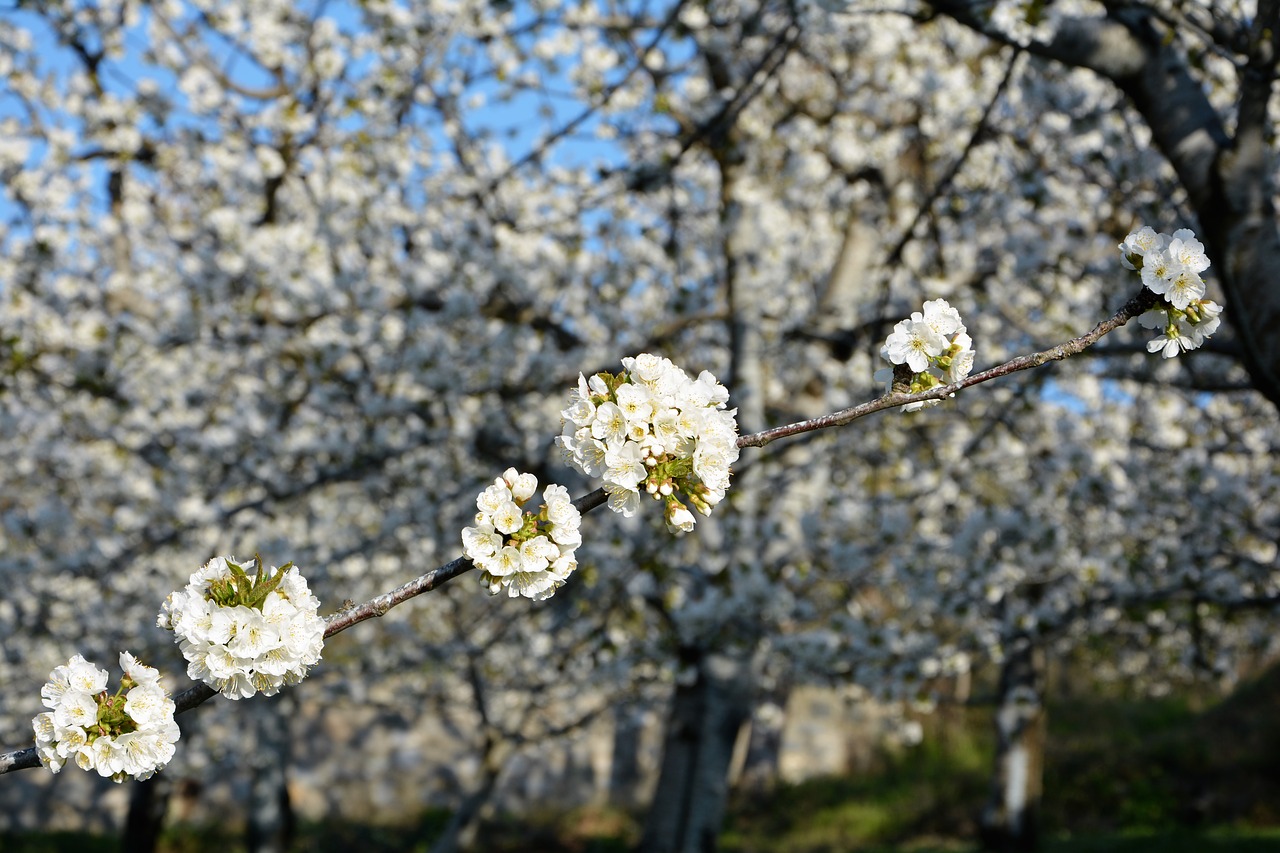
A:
[1228,180]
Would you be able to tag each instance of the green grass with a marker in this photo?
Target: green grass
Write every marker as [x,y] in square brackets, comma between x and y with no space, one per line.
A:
[57,842]
[1240,840]
[1123,775]
[1119,765]
[926,791]
[1113,764]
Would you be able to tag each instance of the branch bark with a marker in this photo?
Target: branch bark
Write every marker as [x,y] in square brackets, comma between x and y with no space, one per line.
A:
[1229,180]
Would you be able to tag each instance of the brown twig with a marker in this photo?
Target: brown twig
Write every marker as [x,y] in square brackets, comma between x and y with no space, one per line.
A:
[1135,306]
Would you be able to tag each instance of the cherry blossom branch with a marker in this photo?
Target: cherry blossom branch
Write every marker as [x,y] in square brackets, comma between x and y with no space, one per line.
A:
[353,614]
[1135,306]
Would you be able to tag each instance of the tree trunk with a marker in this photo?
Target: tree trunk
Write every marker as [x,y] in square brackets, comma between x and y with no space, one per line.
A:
[625,775]
[463,824]
[148,802]
[270,820]
[1229,179]
[1010,821]
[764,748]
[689,803]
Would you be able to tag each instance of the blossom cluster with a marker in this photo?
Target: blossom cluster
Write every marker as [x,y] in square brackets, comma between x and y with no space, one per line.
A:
[929,349]
[243,635]
[530,554]
[651,428]
[1170,266]
[128,734]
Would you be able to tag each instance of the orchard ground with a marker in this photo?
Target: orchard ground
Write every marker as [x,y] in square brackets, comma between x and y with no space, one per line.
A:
[1181,773]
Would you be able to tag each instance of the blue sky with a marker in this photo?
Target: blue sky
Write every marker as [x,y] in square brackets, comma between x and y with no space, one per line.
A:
[517,123]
